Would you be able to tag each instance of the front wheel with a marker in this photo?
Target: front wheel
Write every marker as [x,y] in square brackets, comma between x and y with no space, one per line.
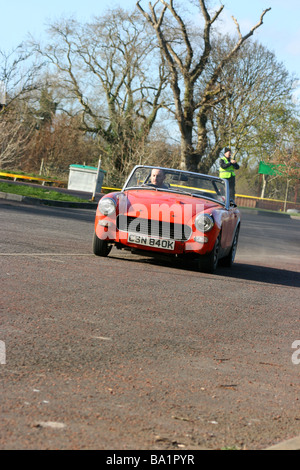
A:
[208,263]
[229,259]
[101,247]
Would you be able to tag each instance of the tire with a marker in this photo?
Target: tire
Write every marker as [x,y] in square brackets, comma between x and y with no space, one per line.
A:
[208,263]
[229,259]
[100,247]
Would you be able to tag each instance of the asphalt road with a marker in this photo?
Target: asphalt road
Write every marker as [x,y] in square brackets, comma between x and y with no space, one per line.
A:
[129,353]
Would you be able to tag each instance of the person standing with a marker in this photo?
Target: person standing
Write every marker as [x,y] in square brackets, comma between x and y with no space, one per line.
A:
[227,171]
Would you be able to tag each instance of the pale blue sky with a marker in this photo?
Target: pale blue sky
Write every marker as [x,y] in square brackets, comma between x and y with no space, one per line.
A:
[280,31]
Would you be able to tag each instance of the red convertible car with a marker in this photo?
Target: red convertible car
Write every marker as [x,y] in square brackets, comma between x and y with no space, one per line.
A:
[170,212]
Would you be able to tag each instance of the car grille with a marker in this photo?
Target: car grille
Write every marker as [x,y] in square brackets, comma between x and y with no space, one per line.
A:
[154,228]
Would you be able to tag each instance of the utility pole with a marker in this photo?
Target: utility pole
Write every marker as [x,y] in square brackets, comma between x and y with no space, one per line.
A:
[97,179]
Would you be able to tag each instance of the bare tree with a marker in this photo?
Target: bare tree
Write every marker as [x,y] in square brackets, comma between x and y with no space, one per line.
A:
[55,145]
[187,66]
[19,74]
[19,78]
[14,137]
[103,77]
[285,160]
[257,97]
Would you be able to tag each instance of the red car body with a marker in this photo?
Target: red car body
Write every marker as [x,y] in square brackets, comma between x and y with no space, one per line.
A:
[190,217]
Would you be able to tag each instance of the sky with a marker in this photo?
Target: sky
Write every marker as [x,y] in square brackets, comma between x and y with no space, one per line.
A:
[280,32]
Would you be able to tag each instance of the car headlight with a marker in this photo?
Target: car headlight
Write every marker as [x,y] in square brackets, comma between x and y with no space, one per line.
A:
[107,206]
[204,222]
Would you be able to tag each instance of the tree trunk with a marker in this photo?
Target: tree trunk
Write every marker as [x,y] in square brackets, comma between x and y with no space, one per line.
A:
[187,150]
[202,133]
[286,194]
[189,158]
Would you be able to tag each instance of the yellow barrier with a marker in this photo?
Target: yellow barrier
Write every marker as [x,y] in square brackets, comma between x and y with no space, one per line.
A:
[260,198]
[113,189]
[31,178]
[209,191]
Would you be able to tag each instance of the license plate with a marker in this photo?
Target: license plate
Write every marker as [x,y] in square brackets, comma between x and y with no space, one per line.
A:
[145,240]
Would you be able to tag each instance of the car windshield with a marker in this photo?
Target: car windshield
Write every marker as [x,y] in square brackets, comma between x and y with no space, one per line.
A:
[184,182]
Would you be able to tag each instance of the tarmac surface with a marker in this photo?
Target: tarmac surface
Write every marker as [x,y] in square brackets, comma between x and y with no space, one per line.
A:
[290,444]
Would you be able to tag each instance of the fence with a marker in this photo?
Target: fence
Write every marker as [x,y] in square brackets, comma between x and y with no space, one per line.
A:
[264,203]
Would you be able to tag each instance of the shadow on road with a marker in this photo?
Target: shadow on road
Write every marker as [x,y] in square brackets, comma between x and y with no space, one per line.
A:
[240,271]
[264,274]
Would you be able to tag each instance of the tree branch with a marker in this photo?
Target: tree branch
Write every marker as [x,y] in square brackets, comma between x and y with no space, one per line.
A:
[243,38]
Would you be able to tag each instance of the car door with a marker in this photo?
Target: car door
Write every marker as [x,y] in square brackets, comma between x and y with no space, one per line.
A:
[229,223]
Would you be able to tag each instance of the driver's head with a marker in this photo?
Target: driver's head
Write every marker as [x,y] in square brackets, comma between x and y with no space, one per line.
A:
[157,177]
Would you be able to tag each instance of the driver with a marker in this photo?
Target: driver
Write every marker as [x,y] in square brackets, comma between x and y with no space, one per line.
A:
[157,178]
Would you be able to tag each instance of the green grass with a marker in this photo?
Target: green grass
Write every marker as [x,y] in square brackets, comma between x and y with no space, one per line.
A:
[39,193]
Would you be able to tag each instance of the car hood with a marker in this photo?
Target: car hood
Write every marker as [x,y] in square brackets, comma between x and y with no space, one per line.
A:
[163,205]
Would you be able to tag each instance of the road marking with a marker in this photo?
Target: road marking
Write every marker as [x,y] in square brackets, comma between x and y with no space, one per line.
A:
[50,424]
[104,338]
[46,254]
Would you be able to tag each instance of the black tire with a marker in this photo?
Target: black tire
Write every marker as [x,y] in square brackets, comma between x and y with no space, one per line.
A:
[229,259]
[208,263]
[100,247]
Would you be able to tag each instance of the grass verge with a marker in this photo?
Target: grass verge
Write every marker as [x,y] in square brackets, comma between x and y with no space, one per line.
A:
[40,193]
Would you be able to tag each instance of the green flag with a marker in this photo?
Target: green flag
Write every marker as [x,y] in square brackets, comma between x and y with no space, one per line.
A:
[269,169]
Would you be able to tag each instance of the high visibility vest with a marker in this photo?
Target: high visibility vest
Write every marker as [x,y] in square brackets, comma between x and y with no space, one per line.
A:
[227,172]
